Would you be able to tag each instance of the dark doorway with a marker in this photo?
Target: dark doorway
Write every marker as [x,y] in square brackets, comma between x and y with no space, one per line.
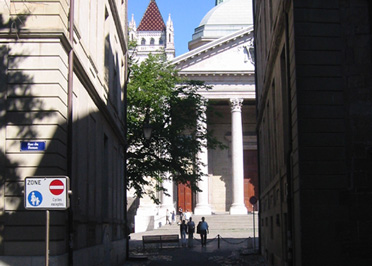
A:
[250,177]
[184,197]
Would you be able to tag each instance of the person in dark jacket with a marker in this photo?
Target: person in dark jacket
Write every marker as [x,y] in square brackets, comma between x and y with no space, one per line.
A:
[190,232]
[183,230]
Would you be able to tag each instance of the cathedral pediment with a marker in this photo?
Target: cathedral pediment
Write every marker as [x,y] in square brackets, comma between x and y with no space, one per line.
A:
[228,55]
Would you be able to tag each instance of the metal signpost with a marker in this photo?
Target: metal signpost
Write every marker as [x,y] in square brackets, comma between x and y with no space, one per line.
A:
[47,193]
[253,201]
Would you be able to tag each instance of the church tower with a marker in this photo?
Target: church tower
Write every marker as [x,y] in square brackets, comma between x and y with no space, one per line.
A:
[152,35]
[169,50]
[132,30]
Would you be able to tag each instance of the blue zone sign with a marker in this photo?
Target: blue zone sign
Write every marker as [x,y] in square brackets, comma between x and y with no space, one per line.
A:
[33,145]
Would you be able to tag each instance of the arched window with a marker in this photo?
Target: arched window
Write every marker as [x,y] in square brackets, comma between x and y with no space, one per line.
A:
[152,41]
[143,41]
[161,41]
[169,38]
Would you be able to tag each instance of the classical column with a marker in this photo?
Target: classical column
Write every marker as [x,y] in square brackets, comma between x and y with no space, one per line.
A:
[237,206]
[146,214]
[167,200]
[202,198]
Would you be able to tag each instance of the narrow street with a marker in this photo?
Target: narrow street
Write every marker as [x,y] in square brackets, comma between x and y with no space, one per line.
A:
[230,242]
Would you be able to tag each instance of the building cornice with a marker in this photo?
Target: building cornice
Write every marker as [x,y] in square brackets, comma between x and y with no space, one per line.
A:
[119,26]
[215,73]
[212,45]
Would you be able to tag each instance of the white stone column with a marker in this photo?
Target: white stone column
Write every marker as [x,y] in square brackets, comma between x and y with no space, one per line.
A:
[146,215]
[238,206]
[202,198]
[167,200]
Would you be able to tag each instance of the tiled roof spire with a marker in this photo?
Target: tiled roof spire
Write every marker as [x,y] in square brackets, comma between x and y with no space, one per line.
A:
[152,19]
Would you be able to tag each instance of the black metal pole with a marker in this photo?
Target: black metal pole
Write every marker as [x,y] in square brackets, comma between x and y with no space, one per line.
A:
[254,231]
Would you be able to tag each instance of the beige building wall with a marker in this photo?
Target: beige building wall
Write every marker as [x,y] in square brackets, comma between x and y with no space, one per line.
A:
[34,47]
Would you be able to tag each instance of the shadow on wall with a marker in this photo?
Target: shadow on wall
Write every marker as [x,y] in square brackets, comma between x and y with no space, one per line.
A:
[133,204]
[21,108]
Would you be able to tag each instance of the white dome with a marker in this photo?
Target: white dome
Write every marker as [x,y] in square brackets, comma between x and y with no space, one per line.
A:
[230,12]
[222,20]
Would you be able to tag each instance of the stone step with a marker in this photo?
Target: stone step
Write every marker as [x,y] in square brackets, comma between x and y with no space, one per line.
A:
[235,226]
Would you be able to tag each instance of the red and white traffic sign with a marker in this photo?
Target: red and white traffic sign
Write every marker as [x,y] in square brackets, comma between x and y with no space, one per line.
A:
[47,192]
[56,187]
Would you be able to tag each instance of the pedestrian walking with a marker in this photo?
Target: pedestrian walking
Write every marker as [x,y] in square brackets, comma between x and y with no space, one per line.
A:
[203,230]
[190,232]
[167,217]
[183,230]
[173,217]
[181,214]
[187,215]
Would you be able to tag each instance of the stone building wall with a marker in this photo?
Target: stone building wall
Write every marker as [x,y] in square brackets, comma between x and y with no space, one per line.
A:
[34,85]
[314,92]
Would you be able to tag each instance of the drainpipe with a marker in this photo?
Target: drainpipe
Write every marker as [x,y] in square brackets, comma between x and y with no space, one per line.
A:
[127,229]
[290,247]
[69,127]
[257,131]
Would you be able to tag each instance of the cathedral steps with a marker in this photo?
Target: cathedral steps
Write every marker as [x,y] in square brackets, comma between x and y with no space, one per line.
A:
[225,225]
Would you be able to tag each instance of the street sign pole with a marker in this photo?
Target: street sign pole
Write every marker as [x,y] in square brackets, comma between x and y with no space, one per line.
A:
[47,239]
[47,193]
[253,201]
[254,231]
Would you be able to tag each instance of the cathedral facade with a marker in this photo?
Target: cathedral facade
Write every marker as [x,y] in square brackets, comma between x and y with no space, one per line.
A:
[221,55]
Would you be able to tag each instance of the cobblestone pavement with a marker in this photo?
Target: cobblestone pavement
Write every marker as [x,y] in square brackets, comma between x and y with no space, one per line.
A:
[210,255]
[230,242]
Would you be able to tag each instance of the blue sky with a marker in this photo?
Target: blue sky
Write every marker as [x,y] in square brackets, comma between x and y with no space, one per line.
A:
[186,16]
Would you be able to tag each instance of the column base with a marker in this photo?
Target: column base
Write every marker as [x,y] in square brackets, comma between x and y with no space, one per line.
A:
[202,210]
[238,209]
[145,218]
[144,223]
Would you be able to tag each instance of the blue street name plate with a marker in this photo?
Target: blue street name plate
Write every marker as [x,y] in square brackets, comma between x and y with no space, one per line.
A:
[32,145]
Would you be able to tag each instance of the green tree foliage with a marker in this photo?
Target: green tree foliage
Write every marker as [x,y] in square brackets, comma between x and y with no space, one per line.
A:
[158,97]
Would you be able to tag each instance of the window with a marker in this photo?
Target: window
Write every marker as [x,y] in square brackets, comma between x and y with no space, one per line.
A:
[152,41]
[143,41]
[105,179]
[271,227]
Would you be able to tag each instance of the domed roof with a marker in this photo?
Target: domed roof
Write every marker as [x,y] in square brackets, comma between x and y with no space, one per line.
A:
[223,19]
[232,12]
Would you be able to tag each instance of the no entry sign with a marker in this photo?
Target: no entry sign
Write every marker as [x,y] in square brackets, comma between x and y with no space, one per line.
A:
[56,187]
[47,193]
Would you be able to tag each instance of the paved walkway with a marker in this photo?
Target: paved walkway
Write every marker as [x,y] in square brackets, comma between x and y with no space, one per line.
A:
[235,249]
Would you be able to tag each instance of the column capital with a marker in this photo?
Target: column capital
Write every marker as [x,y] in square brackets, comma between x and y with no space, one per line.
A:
[236,104]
